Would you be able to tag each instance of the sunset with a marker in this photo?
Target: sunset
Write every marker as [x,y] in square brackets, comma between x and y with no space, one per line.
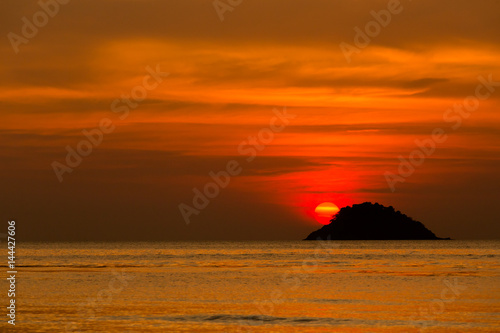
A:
[186,128]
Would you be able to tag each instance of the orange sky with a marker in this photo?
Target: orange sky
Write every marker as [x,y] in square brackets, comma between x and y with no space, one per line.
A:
[353,120]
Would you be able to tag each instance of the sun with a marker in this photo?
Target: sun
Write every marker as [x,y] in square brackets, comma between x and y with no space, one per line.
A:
[324,212]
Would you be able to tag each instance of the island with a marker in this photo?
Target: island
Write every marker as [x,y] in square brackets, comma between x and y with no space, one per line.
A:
[368,221]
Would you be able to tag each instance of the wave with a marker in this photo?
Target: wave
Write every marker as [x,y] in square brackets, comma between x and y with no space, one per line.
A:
[257,320]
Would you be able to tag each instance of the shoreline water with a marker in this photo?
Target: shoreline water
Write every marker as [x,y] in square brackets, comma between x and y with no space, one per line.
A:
[282,286]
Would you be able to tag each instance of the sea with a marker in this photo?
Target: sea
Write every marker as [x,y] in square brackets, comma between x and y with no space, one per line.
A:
[257,286]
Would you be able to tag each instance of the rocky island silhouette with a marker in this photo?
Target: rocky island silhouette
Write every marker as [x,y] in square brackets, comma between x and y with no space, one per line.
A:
[368,221]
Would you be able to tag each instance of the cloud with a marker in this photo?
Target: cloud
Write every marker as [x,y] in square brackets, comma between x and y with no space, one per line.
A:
[353,119]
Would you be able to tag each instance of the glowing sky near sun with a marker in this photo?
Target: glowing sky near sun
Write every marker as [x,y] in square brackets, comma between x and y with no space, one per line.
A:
[354,120]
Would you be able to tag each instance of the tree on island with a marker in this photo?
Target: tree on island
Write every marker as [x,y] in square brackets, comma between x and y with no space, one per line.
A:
[369,221]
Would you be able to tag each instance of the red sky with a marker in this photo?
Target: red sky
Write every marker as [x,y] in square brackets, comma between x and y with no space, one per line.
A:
[353,119]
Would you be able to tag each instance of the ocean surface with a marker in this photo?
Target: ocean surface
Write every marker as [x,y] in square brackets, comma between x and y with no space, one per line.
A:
[299,286]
